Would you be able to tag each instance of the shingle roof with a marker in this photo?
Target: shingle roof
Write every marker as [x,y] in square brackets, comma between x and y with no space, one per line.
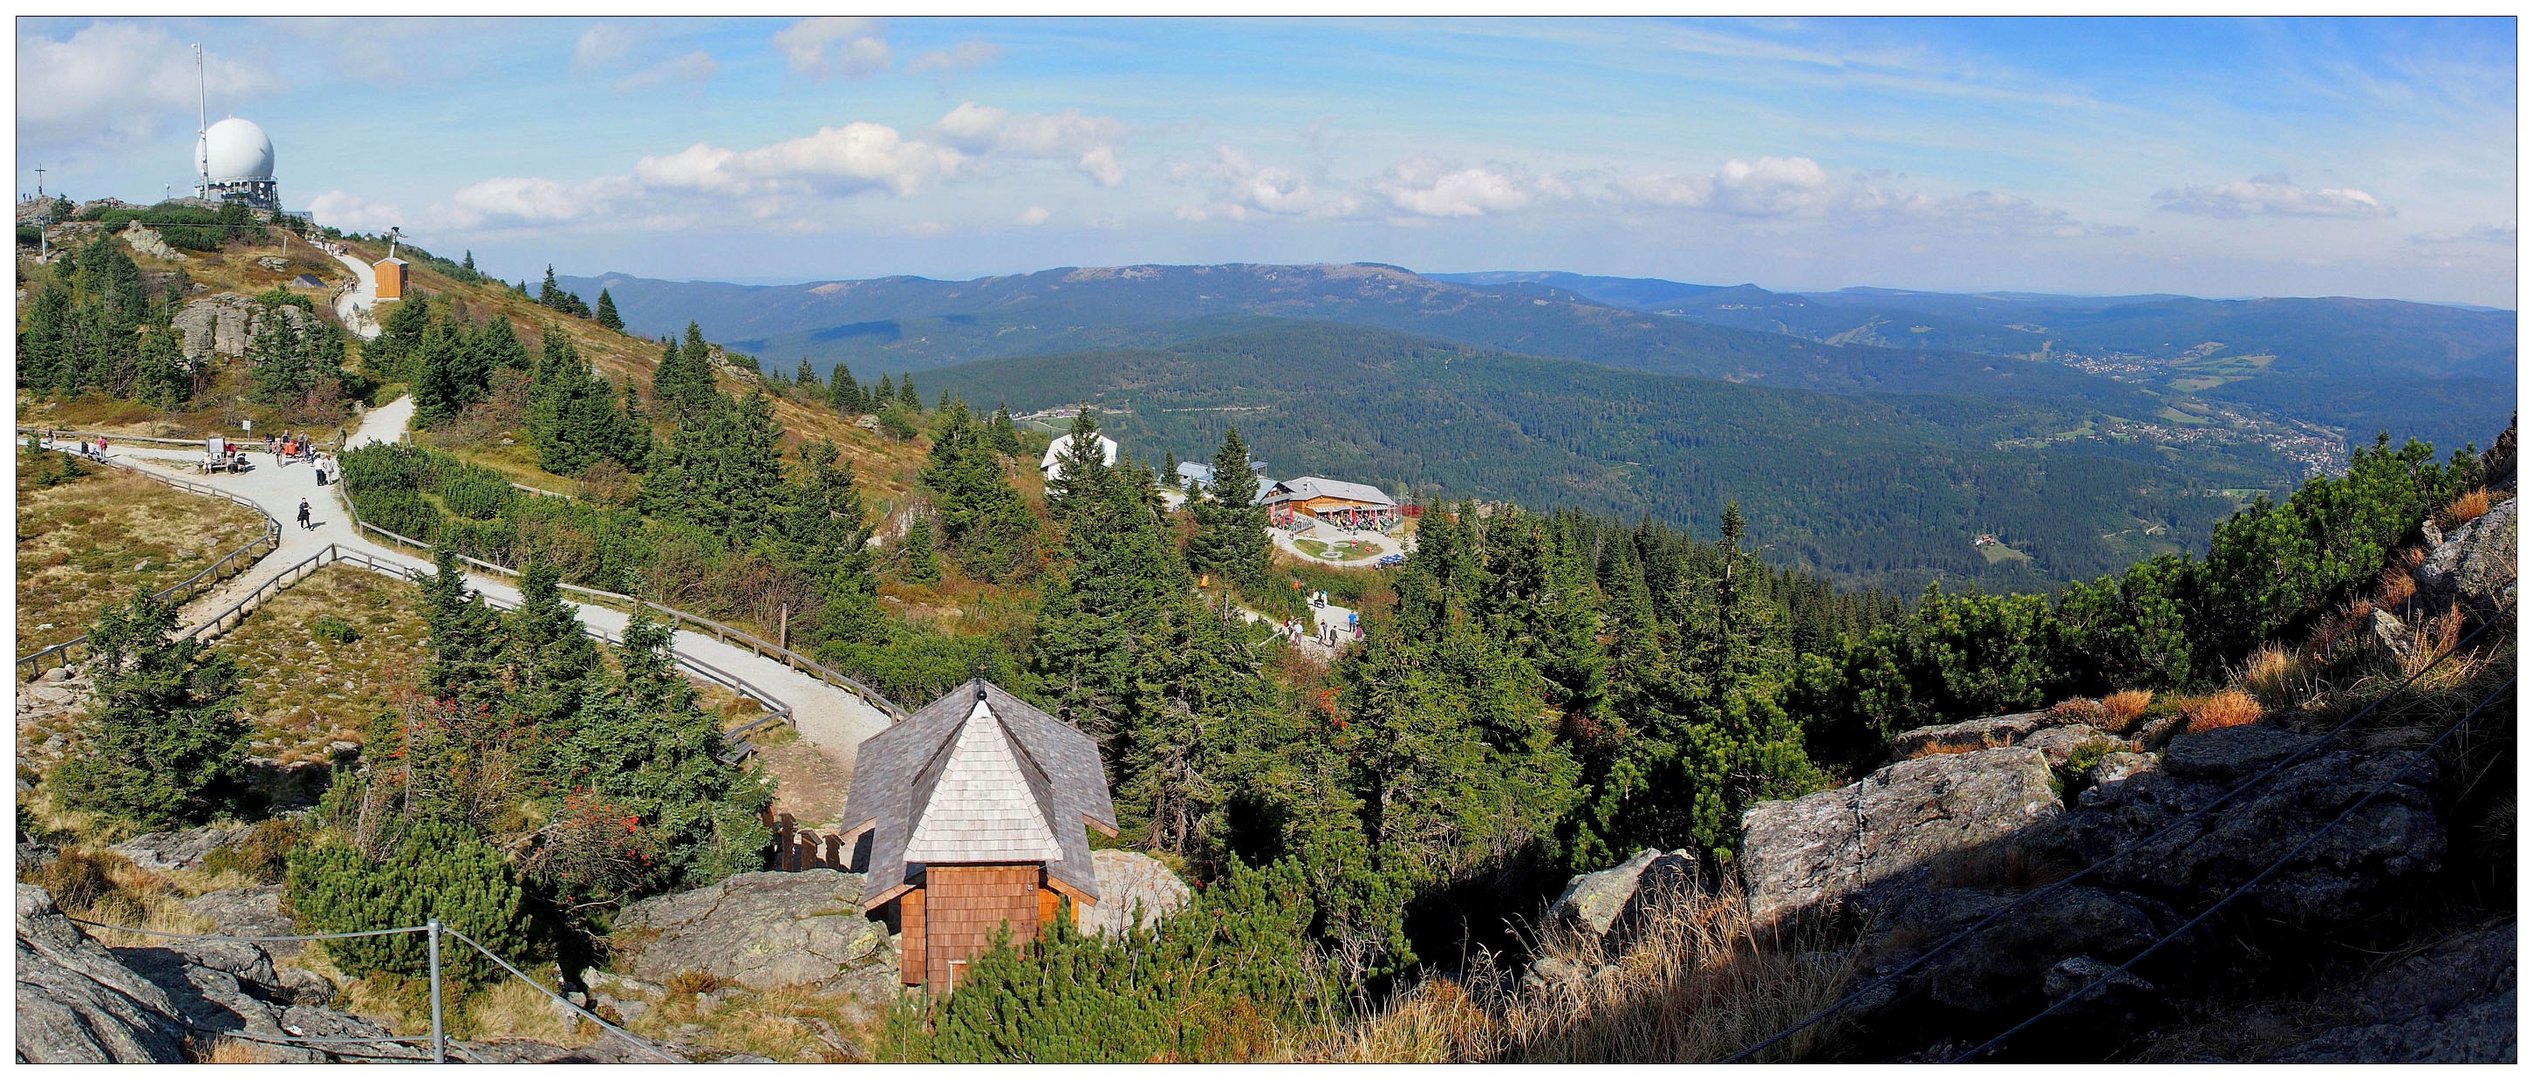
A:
[970,780]
[1320,487]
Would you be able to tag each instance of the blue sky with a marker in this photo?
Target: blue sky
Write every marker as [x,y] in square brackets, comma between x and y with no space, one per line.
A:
[2219,158]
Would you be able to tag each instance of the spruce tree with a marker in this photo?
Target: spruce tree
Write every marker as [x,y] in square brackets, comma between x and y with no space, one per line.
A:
[916,562]
[683,382]
[844,395]
[907,398]
[549,659]
[885,395]
[806,378]
[985,524]
[607,316]
[464,635]
[162,743]
[1231,541]
[1081,470]
[1000,432]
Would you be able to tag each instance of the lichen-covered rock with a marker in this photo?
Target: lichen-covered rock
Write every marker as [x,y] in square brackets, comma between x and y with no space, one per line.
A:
[759,930]
[1128,879]
[77,1003]
[2110,771]
[1881,833]
[1986,732]
[1603,901]
[178,850]
[146,241]
[2476,563]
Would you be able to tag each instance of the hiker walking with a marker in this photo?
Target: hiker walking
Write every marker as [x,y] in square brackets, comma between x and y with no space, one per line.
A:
[303,514]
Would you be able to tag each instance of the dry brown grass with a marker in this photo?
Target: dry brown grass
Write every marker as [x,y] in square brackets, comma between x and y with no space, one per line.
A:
[2126,708]
[2338,628]
[2276,677]
[2466,506]
[510,1009]
[228,1051]
[1701,982]
[2394,587]
[2222,709]
[304,690]
[791,1024]
[89,544]
[1946,748]
[2429,639]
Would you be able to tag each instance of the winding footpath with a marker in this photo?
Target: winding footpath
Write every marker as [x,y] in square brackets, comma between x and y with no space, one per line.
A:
[831,720]
[358,306]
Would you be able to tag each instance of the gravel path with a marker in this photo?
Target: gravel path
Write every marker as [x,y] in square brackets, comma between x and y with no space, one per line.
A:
[832,720]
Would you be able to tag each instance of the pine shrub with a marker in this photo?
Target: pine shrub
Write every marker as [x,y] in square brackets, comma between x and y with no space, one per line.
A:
[436,869]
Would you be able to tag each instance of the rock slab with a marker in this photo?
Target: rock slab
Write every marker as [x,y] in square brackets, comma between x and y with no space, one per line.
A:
[1878,836]
[760,930]
[1128,879]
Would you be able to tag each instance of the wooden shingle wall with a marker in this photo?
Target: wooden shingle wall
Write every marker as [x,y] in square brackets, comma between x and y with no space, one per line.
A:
[964,905]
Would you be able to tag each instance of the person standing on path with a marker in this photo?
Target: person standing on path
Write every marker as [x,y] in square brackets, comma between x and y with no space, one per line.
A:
[303,514]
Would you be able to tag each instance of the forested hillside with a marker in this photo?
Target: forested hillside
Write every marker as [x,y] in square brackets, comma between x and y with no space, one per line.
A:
[1887,491]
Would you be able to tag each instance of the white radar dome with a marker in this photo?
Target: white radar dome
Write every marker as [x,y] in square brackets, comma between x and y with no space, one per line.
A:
[235,149]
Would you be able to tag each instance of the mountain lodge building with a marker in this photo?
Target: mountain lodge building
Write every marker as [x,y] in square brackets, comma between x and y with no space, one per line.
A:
[977,806]
[1330,500]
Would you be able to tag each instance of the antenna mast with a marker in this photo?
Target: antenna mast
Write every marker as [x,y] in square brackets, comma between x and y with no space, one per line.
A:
[202,129]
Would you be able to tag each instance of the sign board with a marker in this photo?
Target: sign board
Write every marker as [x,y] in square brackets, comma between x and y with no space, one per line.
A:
[246,425]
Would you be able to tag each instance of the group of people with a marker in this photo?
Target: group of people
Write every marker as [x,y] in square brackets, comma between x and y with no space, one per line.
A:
[298,447]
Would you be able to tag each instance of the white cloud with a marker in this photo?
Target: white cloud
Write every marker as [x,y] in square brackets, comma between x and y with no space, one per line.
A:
[2270,194]
[1427,187]
[1241,187]
[694,67]
[1768,187]
[1034,216]
[115,83]
[964,56]
[858,156]
[2499,233]
[833,47]
[527,200]
[351,213]
[1089,141]
[600,47]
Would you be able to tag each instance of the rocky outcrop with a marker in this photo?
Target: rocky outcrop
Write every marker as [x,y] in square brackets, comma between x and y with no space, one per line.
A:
[1880,836]
[77,1003]
[248,912]
[1605,902]
[178,850]
[146,241]
[760,930]
[2387,844]
[222,325]
[1129,880]
[2452,1003]
[2475,564]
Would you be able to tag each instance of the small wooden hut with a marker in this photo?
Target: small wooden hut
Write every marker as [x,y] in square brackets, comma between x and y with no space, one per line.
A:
[977,807]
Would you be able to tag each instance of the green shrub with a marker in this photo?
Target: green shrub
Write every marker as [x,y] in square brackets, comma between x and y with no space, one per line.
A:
[162,743]
[436,869]
[333,629]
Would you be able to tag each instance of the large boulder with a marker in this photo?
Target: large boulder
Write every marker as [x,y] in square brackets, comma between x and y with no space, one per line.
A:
[178,850]
[222,325]
[1881,835]
[761,930]
[1598,903]
[1986,732]
[2229,755]
[2476,562]
[77,1003]
[1128,881]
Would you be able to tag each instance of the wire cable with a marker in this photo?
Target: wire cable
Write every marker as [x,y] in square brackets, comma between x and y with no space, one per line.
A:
[565,1002]
[2280,863]
[1890,978]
